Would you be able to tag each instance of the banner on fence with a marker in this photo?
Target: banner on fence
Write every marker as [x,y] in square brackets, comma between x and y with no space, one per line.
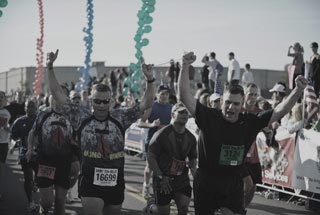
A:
[277,162]
[306,174]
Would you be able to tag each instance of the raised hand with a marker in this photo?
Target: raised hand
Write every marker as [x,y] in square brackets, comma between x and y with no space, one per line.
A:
[301,82]
[189,58]
[51,57]
[147,70]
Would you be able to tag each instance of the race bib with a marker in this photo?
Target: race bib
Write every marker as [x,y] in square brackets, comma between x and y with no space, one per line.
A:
[105,177]
[177,167]
[231,155]
[46,171]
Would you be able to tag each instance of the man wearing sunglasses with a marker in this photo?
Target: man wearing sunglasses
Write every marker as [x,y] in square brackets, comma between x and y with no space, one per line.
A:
[101,141]
[172,152]
[225,138]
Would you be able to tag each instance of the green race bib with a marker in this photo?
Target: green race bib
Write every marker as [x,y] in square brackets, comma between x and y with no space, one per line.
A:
[231,155]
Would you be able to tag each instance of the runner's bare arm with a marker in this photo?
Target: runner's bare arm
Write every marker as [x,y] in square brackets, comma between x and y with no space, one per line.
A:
[285,106]
[291,54]
[184,91]
[142,123]
[193,166]
[152,160]
[31,143]
[164,180]
[150,91]
[55,88]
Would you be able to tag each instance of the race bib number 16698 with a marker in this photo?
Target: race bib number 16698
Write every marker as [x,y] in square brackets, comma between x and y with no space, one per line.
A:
[105,177]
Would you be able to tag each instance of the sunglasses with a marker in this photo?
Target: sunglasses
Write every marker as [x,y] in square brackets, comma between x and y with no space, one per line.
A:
[99,101]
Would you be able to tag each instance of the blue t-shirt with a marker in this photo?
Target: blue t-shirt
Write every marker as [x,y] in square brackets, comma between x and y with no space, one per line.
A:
[162,112]
[20,130]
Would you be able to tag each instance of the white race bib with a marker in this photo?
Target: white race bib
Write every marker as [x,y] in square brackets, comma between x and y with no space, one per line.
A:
[105,177]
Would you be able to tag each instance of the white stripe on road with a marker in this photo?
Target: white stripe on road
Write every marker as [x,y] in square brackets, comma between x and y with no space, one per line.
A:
[135,193]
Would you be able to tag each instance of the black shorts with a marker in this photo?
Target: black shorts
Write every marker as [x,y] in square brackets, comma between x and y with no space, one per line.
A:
[255,172]
[4,147]
[213,192]
[165,199]
[61,176]
[110,196]
[28,165]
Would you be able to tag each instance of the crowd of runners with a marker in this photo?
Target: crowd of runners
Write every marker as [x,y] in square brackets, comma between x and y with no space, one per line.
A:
[79,136]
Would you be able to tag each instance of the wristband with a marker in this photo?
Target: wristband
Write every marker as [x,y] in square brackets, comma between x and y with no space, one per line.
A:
[151,81]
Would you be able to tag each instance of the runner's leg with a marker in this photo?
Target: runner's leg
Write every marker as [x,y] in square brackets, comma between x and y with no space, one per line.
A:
[227,211]
[28,179]
[112,209]
[92,205]
[163,209]
[46,198]
[182,202]
[60,198]
[248,196]
[146,182]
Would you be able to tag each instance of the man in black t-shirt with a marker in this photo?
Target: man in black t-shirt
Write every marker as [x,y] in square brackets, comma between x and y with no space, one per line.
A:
[172,149]
[224,139]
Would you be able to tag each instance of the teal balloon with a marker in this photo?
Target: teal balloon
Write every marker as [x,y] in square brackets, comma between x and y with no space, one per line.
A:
[140,31]
[125,91]
[150,9]
[141,14]
[132,66]
[148,20]
[138,55]
[135,87]
[141,22]
[139,52]
[3,3]
[151,2]
[145,42]
[137,75]
[136,95]
[138,46]
[147,29]
[127,81]
[137,38]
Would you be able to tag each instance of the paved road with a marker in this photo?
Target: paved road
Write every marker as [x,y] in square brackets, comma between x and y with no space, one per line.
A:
[14,201]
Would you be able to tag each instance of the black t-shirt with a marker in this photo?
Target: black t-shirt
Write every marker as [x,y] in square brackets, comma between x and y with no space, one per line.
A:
[204,74]
[171,147]
[16,110]
[224,145]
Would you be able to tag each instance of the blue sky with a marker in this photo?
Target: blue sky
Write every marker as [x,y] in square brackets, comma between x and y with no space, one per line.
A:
[259,32]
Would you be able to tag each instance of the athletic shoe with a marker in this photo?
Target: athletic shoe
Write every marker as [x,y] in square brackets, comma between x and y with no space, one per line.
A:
[43,211]
[69,198]
[146,191]
[32,207]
